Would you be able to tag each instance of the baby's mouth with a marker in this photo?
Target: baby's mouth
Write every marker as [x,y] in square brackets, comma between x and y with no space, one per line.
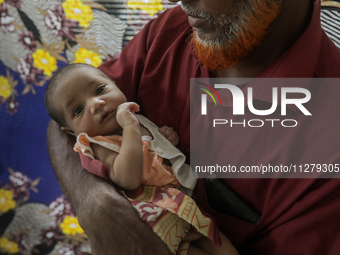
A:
[106,116]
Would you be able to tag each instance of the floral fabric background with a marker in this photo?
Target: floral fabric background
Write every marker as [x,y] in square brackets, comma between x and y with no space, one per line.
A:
[36,38]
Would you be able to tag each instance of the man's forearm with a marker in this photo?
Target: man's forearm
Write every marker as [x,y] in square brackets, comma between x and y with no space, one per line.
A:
[71,177]
[108,219]
[77,184]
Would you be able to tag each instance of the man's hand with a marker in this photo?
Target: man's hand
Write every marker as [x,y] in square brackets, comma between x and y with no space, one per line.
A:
[114,227]
[126,114]
[207,245]
[170,134]
[109,220]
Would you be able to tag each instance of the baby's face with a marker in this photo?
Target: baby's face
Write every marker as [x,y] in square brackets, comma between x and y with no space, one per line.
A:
[88,102]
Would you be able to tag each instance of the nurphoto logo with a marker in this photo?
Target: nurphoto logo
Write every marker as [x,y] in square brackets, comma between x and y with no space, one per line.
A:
[238,100]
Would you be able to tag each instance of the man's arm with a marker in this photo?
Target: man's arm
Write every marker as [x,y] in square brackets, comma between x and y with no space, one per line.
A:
[108,219]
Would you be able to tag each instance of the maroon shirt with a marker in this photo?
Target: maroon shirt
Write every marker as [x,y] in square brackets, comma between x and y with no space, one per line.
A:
[299,216]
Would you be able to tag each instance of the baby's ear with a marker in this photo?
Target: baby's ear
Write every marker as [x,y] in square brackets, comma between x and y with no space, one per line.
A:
[68,131]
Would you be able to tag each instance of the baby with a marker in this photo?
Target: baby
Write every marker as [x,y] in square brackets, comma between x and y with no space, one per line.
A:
[124,148]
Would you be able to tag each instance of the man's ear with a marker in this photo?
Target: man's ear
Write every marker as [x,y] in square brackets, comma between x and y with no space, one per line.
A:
[68,131]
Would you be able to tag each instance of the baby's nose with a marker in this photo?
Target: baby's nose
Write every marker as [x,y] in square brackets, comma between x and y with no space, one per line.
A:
[95,105]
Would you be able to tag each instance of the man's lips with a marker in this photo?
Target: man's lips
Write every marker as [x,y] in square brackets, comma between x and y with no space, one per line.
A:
[197,22]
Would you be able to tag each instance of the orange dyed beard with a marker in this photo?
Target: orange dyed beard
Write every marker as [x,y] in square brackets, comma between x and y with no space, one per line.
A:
[239,38]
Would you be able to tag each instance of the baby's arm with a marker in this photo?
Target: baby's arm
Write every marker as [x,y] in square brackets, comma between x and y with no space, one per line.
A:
[127,166]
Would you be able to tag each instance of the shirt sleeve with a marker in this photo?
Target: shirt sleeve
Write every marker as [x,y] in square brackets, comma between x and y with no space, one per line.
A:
[95,167]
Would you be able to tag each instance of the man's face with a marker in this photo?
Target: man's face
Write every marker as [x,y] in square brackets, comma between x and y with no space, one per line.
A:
[88,101]
[226,30]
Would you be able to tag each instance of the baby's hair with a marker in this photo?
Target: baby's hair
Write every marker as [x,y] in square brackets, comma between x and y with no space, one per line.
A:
[53,84]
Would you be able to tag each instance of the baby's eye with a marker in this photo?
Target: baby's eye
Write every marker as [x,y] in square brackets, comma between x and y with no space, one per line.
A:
[78,110]
[100,90]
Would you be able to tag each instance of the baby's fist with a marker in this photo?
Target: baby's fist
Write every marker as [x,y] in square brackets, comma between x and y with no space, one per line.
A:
[126,114]
[170,134]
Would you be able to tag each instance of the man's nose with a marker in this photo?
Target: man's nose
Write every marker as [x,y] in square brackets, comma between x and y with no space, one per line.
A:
[95,104]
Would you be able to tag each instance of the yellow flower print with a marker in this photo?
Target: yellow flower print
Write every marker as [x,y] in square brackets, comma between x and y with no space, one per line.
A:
[77,10]
[70,226]
[87,57]
[151,7]
[5,87]
[1,1]
[42,59]
[7,246]
[6,200]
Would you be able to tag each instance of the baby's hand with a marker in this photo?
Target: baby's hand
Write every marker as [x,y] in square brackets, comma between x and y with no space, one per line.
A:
[126,114]
[170,134]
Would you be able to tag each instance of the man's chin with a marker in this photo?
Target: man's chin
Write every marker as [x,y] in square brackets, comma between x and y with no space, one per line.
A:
[222,47]
[203,35]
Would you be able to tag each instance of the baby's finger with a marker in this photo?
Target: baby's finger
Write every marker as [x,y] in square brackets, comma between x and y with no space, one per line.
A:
[163,130]
[171,136]
[134,107]
[129,106]
[170,131]
[176,141]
